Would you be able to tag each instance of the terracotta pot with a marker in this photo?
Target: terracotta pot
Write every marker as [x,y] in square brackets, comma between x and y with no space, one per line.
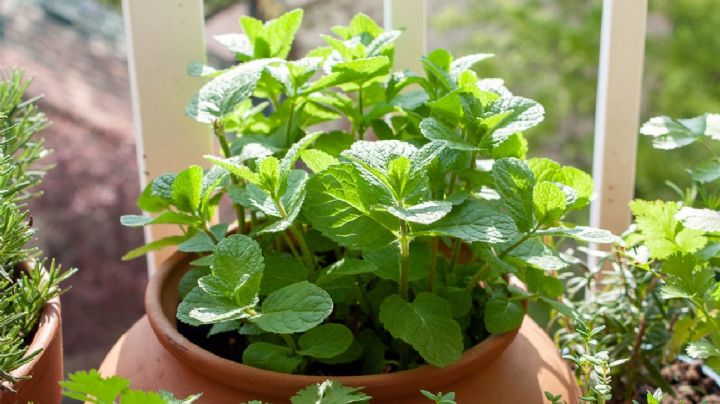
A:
[46,369]
[516,367]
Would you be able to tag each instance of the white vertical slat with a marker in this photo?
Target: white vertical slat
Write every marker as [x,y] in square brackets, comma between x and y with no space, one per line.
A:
[163,37]
[622,52]
[410,16]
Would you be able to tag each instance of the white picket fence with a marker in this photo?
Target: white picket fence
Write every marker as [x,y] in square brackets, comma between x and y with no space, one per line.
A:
[165,36]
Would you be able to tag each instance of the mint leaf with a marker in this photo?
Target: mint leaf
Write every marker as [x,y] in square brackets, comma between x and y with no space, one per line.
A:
[345,267]
[706,220]
[168,217]
[150,202]
[502,315]
[200,242]
[265,355]
[514,182]
[153,246]
[221,95]
[325,341]
[187,189]
[387,261]
[512,114]
[473,221]
[281,271]
[702,349]
[584,233]
[549,202]
[330,392]
[317,160]
[668,133]
[464,63]
[162,186]
[199,307]
[426,324]
[423,213]
[706,171]
[433,129]
[334,207]
[238,263]
[294,308]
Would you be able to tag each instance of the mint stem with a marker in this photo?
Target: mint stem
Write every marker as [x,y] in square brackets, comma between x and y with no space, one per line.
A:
[404,260]
[219,131]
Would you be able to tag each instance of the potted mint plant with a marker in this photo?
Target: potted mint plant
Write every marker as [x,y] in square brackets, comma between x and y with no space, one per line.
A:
[388,230]
[31,363]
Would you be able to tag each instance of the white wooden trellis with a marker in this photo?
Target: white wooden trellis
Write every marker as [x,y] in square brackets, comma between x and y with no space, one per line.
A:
[165,36]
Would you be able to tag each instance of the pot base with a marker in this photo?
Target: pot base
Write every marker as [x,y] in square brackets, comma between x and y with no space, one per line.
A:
[529,366]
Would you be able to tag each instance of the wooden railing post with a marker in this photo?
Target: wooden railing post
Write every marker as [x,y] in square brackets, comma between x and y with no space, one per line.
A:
[617,115]
[411,17]
[163,37]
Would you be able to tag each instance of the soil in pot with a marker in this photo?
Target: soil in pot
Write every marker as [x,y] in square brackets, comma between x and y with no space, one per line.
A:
[689,382]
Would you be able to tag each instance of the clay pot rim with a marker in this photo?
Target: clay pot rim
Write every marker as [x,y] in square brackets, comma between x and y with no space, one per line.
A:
[231,373]
[47,327]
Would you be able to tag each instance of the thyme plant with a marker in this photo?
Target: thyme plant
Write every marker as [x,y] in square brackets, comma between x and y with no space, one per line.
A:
[380,214]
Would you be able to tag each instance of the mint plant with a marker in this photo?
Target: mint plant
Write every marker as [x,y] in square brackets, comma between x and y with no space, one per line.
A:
[27,281]
[379,213]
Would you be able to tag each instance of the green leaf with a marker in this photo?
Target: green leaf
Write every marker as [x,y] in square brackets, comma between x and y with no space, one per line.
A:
[503,315]
[153,246]
[288,161]
[294,308]
[90,386]
[381,42]
[661,232]
[538,255]
[200,242]
[512,114]
[317,160]
[269,356]
[387,261]
[514,182]
[168,217]
[330,392]
[423,213]
[280,33]
[433,129]
[706,220]
[292,201]
[705,172]
[239,264]
[458,299]
[150,202]
[281,271]
[162,186]
[426,324]
[235,43]
[334,207]
[584,233]
[464,63]
[668,133]
[473,221]
[221,95]
[702,349]
[345,267]
[199,307]
[325,341]
[549,202]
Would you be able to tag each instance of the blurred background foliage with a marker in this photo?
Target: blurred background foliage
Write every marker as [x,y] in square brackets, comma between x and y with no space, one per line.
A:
[549,49]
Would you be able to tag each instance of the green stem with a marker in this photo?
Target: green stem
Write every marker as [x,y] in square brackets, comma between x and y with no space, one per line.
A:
[225,146]
[290,245]
[455,254]
[288,128]
[404,261]
[309,257]
[513,246]
[433,264]
[479,275]
[290,342]
[361,130]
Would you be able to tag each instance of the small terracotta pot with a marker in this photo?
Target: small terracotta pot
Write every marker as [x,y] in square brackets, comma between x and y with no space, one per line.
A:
[46,369]
[516,367]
